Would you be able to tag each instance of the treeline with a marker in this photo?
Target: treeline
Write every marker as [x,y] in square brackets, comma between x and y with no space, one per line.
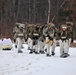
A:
[31,11]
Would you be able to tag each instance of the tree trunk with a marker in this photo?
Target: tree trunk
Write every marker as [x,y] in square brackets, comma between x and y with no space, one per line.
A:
[14,8]
[29,12]
[1,11]
[18,10]
[58,10]
[48,19]
[34,10]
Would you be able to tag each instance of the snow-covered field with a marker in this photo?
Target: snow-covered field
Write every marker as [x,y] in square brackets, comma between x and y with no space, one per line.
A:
[13,63]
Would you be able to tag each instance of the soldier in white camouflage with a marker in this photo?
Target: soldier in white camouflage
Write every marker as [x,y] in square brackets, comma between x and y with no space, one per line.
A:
[71,28]
[54,39]
[20,37]
[41,40]
[49,33]
[44,34]
[71,31]
[30,41]
[64,41]
[52,28]
[35,38]
[15,34]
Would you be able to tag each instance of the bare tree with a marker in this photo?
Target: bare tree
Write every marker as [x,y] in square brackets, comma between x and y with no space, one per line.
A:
[48,19]
[58,9]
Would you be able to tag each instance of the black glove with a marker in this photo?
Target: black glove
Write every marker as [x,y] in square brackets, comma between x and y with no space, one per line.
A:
[42,40]
[34,43]
[25,39]
[14,40]
[15,46]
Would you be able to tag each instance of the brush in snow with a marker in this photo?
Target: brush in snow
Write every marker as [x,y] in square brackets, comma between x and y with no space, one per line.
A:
[64,55]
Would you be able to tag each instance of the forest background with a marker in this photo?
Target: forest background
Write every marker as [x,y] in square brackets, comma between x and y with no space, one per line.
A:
[34,11]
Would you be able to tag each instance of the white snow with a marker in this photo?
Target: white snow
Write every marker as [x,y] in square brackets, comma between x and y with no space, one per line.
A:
[13,63]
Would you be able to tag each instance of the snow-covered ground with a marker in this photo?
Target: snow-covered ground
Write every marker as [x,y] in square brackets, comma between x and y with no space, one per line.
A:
[13,63]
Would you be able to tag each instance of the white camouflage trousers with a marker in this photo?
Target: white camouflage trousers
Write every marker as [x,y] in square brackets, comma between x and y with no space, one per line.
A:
[53,46]
[19,42]
[69,41]
[30,43]
[41,45]
[64,46]
[49,48]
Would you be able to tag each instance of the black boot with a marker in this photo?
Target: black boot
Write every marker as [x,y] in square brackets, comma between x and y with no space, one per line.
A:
[36,52]
[30,52]
[19,51]
[42,52]
[15,46]
[48,55]
[45,50]
[53,53]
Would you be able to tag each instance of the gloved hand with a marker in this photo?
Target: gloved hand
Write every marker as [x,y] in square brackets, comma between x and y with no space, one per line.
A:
[42,40]
[25,40]
[15,46]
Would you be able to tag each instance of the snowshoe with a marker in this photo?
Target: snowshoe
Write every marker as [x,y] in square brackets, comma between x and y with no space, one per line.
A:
[64,55]
[19,51]
[53,54]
